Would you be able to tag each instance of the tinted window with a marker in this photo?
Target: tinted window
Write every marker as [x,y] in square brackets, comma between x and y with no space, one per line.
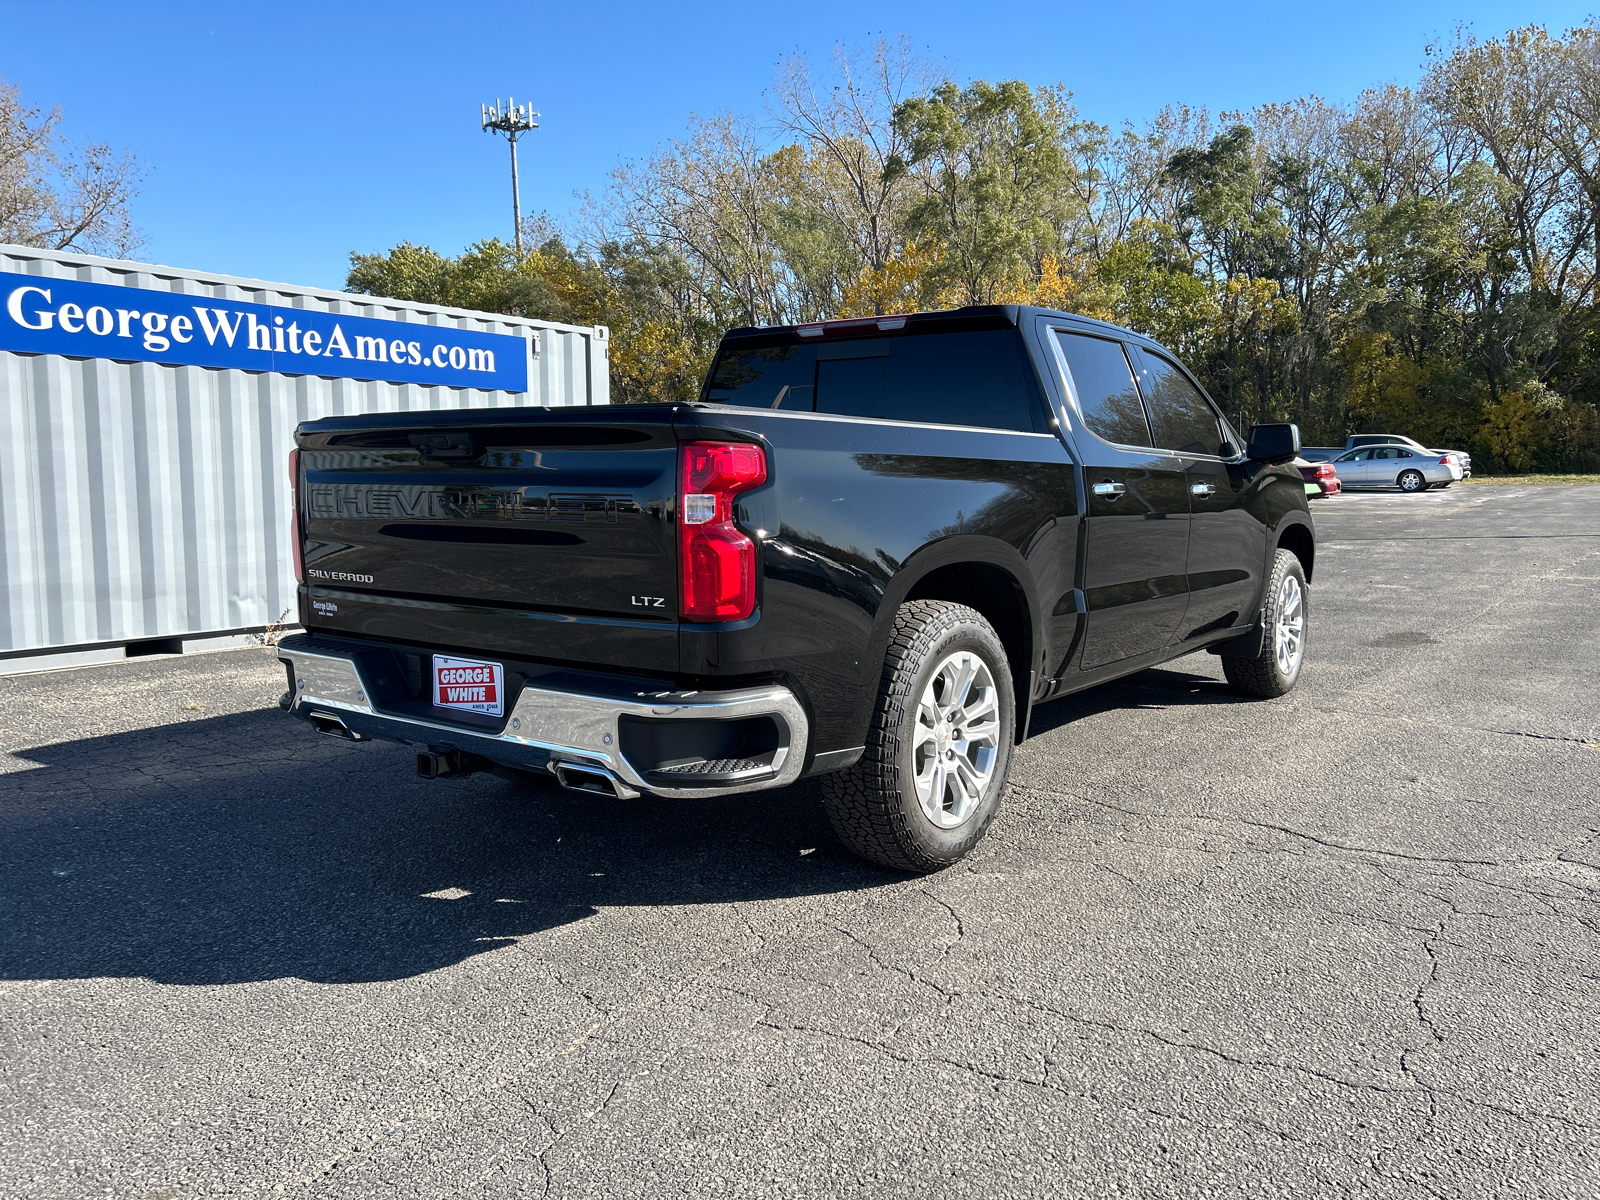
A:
[1107,395]
[1180,417]
[974,378]
[767,377]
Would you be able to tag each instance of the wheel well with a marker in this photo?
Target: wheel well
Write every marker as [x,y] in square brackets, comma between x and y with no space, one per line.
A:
[1297,541]
[997,595]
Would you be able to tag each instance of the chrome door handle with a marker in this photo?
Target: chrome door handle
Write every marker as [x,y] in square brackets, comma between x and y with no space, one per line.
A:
[1113,490]
[1203,489]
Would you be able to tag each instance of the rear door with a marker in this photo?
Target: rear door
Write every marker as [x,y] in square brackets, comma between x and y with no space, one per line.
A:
[1381,467]
[1135,582]
[1227,542]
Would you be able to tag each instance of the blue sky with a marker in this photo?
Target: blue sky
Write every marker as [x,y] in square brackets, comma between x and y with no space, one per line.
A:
[280,138]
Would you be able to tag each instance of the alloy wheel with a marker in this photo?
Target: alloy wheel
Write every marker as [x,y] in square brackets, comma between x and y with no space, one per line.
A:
[957,739]
[1289,626]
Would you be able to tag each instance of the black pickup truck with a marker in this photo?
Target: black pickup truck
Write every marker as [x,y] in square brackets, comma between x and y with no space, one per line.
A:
[866,552]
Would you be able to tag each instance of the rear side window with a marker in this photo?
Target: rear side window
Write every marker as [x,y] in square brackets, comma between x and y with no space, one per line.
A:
[976,377]
[1180,416]
[1107,396]
[765,377]
[971,378]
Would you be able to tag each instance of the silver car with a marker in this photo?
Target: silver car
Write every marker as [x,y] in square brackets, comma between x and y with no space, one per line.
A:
[1395,439]
[1395,466]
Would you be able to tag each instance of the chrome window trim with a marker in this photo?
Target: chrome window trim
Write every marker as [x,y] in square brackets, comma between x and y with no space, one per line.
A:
[797,415]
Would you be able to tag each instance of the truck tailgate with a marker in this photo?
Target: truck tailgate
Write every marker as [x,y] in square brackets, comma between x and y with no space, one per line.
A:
[531,533]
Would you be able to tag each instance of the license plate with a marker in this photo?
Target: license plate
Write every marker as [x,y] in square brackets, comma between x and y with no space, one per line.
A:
[468,685]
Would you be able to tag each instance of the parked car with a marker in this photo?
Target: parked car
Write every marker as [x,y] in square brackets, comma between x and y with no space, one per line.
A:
[865,554]
[1322,478]
[1409,468]
[1389,439]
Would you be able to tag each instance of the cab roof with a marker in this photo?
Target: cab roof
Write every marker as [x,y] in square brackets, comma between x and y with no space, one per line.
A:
[972,316]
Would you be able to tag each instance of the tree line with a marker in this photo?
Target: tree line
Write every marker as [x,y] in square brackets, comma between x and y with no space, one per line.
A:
[1418,260]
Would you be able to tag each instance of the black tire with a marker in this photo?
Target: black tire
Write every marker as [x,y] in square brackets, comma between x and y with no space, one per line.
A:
[1411,481]
[1264,675]
[874,805]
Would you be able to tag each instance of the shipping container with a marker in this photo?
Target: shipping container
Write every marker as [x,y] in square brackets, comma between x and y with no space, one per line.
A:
[144,499]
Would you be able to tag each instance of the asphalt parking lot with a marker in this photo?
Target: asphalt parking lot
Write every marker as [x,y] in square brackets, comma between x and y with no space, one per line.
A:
[1342,943]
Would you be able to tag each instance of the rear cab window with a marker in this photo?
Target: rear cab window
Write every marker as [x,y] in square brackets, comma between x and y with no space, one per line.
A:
[977,377]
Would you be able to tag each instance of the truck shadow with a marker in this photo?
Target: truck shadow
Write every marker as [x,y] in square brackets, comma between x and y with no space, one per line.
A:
[1157,687]
[242,848]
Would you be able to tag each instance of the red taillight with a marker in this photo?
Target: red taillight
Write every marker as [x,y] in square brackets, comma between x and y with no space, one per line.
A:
[716,563]
[1445,461]
[1325,471]
[296,534]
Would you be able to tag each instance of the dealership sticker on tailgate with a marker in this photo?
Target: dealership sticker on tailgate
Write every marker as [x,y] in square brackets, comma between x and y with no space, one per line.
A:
[468,684]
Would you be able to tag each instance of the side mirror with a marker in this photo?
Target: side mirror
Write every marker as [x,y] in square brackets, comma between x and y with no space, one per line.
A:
[1273,443]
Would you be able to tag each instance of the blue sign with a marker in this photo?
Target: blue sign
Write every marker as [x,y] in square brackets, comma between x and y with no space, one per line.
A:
[102,320]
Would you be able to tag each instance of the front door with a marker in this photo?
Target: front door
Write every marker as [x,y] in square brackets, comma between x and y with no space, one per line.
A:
[1227,542]
[1135,582]
[1354,469]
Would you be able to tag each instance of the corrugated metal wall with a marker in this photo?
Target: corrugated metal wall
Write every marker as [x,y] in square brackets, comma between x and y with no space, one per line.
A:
[143,501]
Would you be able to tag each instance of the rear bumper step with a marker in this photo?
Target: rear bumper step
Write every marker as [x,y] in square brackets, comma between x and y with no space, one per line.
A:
[621,741]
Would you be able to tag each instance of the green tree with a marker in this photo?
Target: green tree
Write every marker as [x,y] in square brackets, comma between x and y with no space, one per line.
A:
[998,188]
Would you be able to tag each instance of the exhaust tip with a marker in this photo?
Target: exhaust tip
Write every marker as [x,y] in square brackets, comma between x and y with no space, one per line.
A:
[594,780]
[332,726]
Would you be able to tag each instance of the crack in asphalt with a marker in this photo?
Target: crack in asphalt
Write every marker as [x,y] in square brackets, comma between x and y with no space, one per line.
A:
[1042,1083]
[1226,819]
[558,1136]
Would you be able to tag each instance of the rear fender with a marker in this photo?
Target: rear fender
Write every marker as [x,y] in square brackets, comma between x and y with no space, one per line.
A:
[999,586]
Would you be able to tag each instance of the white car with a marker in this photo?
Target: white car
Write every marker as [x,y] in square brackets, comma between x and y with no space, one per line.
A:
[1407,467]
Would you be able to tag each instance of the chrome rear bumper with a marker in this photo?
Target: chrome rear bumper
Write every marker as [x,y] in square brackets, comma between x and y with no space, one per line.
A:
[547,726]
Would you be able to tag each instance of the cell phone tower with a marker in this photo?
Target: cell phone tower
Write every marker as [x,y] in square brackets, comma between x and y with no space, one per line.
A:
[513,120]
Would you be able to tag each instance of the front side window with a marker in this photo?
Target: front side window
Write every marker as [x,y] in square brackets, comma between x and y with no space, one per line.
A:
[1357,456]
[1181,418]
[1108,398]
